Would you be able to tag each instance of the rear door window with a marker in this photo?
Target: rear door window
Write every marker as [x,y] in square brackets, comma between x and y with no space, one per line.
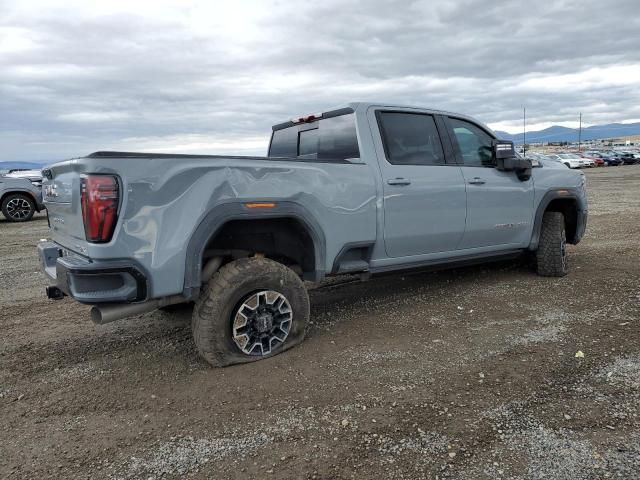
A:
[411,139]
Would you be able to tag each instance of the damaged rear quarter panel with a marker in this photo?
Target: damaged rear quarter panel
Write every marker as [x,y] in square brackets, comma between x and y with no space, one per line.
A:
[165,199]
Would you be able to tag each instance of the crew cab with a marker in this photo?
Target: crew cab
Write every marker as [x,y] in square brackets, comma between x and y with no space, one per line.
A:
[363,189]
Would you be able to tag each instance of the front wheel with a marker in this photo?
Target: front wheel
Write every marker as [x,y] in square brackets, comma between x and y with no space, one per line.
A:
[252,308]
[551,256]
[18,207]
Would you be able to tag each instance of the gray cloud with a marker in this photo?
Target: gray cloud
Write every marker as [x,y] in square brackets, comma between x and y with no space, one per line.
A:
[190,76]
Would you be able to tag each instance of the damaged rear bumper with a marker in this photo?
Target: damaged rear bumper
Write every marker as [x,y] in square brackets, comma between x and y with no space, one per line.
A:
[90,281]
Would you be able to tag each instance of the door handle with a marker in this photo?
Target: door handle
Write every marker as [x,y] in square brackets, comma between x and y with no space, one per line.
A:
[477,181]
[398,181]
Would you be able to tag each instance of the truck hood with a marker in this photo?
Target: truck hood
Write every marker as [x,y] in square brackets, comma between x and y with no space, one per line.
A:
[552,164]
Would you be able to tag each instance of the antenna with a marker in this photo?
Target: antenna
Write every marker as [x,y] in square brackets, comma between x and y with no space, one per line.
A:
[524,131]
[580,134]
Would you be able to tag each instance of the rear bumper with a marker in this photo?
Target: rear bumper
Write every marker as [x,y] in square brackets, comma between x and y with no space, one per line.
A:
[90,281]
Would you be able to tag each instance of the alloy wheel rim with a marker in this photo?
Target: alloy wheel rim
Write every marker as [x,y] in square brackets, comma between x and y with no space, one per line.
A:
[261,322]
[18,208]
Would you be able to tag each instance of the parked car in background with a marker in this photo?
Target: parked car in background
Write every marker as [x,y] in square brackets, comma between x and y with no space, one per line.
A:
[34,176]
[571,161]
[19,198]
[609,160]
[618,156]
[584,162]
[599,162]
[628,158]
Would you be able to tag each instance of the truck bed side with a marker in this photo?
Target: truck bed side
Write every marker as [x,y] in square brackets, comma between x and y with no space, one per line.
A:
[166,198]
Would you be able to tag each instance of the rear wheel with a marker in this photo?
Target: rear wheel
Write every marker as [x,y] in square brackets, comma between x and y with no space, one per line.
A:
[551,256]
[252,308]
[18,207]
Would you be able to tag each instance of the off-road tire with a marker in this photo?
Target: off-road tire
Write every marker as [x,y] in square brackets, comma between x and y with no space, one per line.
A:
[551,256]
[212,315]
[23,199]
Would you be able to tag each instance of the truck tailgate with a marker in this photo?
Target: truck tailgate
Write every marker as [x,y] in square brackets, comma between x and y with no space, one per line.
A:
[61,195]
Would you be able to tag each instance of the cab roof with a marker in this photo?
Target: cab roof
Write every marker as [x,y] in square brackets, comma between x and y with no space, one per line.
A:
[363,107]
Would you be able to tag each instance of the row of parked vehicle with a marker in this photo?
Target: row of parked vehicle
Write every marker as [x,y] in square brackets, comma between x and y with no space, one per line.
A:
[21,194]
[593,158]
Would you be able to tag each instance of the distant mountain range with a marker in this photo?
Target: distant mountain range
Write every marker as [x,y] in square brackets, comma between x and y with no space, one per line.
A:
[555,133]
[28,165]
[564,134]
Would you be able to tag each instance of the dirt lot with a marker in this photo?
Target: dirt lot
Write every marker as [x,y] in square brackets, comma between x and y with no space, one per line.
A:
[465,374]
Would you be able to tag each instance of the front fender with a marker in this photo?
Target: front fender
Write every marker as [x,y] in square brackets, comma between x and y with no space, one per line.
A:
[574,194]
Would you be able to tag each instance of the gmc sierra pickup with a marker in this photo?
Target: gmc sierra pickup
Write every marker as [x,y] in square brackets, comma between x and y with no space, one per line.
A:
[363,189]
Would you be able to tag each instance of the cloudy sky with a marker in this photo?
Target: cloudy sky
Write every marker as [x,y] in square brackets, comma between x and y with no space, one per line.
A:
[213,76]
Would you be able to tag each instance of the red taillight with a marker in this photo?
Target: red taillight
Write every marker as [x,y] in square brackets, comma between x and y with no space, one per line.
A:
[99,196]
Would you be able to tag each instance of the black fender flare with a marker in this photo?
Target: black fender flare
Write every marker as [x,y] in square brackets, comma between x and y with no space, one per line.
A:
[236,210]
[566,193]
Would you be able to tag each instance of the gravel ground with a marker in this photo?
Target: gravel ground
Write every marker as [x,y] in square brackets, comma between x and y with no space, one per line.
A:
[467,374]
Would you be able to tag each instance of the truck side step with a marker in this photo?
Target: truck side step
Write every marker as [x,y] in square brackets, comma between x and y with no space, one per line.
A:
[350,266]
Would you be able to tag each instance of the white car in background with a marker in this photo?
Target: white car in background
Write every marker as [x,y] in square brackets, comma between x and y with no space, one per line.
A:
[584,162]
[569,159]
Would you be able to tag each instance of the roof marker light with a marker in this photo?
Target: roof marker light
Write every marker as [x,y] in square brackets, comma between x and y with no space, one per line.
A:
[307,118]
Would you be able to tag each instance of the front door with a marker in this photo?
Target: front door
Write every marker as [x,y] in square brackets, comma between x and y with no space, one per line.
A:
[424,194]
[499,204]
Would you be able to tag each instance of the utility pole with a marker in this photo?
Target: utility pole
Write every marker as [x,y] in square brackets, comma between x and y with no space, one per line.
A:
[524,132]
[580,134]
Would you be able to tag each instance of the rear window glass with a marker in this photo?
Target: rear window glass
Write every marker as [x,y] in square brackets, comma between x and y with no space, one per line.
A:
[308,142]
[284,143]
[329,138]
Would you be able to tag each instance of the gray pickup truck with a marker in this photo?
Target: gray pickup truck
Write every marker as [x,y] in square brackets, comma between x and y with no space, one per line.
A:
[363,189]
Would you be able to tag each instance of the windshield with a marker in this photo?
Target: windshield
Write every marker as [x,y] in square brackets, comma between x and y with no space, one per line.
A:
[570,156]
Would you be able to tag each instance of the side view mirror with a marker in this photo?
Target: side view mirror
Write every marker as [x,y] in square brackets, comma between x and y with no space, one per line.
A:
[506,159]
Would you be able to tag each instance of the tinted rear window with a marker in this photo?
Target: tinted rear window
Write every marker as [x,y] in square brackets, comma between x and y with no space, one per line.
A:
[411,139]
[329,138]
[308,142]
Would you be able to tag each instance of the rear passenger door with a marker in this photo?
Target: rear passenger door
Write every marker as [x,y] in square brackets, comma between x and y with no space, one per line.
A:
[499,204]
[424,192]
